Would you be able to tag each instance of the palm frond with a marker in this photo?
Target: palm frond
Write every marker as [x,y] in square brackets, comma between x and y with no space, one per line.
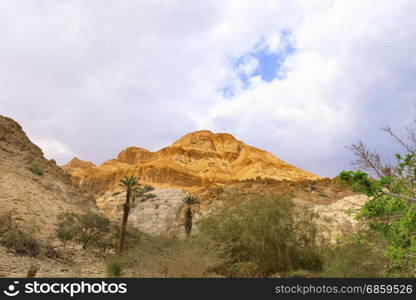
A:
[129,181]
[190,200]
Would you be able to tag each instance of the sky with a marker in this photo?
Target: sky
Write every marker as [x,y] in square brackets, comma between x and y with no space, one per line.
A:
[302,79]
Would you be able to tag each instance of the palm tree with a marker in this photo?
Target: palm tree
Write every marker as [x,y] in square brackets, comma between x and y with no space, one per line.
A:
[130,184]
[189,202]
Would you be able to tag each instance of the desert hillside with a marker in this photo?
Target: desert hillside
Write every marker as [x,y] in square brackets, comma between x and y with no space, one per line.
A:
[196,159]
[33,189]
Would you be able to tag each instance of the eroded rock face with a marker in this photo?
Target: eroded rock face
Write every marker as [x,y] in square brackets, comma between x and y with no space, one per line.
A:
[159,215]
[338,217]
[195,159]
[156,216]
[35,200]
[134,155]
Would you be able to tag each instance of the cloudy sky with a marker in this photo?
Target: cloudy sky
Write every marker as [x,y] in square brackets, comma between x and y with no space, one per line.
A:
[301,79]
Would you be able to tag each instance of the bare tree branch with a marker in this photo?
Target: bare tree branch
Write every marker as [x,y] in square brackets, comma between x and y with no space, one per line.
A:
[400,196]
[399,140]
[411,135]
[367,160]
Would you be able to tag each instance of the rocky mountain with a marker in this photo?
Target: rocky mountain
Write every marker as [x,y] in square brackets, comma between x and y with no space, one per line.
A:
[35,190]
[196,159]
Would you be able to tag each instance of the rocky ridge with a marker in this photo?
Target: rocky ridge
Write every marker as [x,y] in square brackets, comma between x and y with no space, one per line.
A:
[195,160]
[35,190]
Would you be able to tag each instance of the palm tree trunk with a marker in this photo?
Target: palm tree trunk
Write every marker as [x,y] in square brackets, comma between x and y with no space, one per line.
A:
[126,210]
[188,222]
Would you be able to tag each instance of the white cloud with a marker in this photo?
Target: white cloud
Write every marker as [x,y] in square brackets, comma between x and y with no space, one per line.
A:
[54,149]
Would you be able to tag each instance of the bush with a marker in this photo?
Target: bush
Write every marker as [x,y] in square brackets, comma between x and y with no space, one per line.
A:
[6,222]
[108,241]
[89,229]
[301,274]
[354,259]
[50,252]
[171,257]
[33,270]
[265,236]
[21,242]
[148,188]
[114,267]
[94,230]
[246,269]
[35,169]
[67,228]
[132,237]
[93,227]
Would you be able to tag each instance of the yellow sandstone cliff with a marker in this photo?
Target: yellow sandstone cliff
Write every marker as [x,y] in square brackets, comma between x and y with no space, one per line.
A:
[196,159]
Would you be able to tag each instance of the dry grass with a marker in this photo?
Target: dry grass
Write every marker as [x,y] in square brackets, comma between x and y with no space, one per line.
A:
[21,242]
[173,258]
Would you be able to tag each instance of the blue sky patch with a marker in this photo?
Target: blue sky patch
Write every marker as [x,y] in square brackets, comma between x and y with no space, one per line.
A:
[269,64]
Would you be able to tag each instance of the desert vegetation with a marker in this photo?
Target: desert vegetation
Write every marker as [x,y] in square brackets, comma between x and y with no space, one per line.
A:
[189,201]
[21,240]
[134,192]
[390,215]
[35,169]
[93,231]
[268,235]
[130,184]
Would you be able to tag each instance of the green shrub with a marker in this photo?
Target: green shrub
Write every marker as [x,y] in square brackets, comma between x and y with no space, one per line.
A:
[312,188]
[6,222]
[50,252]
[21,242]
[301,274]
[33,270]
[35,169]
[265,236]
[116,193]
[148,188]
[114,267]
[132,237]
[89,229]
[93,227]
[67,227]
[159,256]
[94,230]
[246,269]
[354,257]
